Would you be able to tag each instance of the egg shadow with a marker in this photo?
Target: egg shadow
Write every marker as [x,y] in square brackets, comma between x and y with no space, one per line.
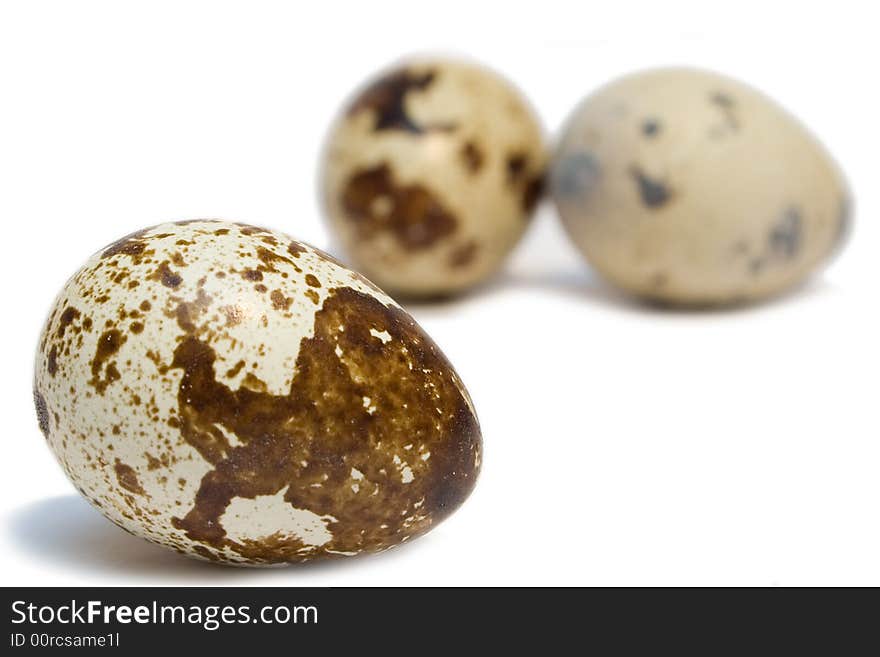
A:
[67,532]
[548,262]
[586,286]
[582,285]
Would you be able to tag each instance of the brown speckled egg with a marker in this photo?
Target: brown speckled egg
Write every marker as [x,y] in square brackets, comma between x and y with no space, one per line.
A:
[234,394]
[686,187]
[431,175]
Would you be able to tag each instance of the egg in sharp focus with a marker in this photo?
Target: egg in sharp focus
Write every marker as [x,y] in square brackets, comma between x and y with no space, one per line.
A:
[431,174]
[688,187]
[236,395]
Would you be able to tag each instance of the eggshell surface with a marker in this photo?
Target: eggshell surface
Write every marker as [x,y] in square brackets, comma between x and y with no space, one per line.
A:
[431,175]
[236,395]
[687,187]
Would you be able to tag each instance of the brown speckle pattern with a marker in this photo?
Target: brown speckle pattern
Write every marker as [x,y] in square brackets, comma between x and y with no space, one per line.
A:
[433,155]
[127,477]
[103,369]
[472,156]
[386,100]
[374,202]
[310,421]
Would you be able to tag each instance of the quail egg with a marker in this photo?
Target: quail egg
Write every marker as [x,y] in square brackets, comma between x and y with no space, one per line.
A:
[686,187]
[431,174]
[239,396]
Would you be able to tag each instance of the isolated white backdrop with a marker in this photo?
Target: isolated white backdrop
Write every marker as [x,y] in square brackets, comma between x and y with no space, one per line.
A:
[622,445]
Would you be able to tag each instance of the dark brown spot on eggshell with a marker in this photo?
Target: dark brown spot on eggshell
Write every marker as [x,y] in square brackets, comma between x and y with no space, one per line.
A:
[386,99]
[127,478]
[279,301]
[270,259]
[130,245]
[248,230]
[374,203]
[322,430]
[472,156]
[530,184]
[188,312]
[165,275]
[516,167]
[52,360]
[68,316]
[108,344]
[295,249]
[233,372]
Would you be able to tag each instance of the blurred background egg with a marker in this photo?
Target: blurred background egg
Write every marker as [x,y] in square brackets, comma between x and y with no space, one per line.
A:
[687,187]
[431,174]
[234,394]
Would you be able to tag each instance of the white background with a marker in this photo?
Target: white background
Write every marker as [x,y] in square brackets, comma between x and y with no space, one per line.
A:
[623,445]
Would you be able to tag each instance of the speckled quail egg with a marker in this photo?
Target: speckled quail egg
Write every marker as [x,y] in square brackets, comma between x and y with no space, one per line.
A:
[431,175]
[239,396]
[687,187]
